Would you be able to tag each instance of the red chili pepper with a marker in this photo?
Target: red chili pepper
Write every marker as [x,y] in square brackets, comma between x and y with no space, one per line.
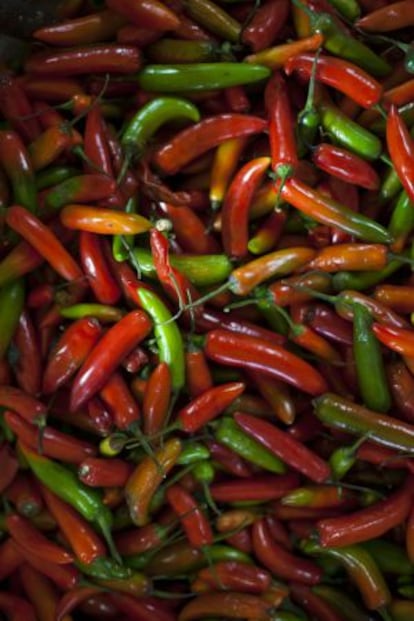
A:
[232,604]
[24,495]
[157,398]
[345,165]
[228,461]
[258,488]
[16,608]
[93,28]
[35,542]
[122,404]
[200,137]
[16,108]
[289,450]
[105,58]
[197,372]
[148,14]
[28,369]
[73,598]
[103,221]
[250,352]
[401,383]
[265,25]
[400,340]
[70,351]
[27,406]
[326,322]
[53,443]
[143,608]
[208,406]
[15,161]
[283,148]
[340,74]
[211,319]
[95,142]
[234,576]
[235,210]
[100,279]
[100,472]
[367,523]
[44,241]
[280,561]
[277,395]
[193,520]
[190,230]
[83,540]
[10,557]
[401,149]
[313,603]
[9,467]
[102,361]
[66,577]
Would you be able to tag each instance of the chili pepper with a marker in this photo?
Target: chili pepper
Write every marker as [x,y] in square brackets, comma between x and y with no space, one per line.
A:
[11,301]
[168,336]
[16,608]
[401,148]
[192,518]
[265,25]
[397,297]
[268,234]
[53,443]
[139,541]
[285,447]
[93,28]
[101,312]
[224,164]
[198,375]
[105,58]
[150,117]
[401,384]
[157,399]
[207,134]
[103,221]
[31,539]
[151,14]
[364,280]
[397,339]
[100,278]
[238,576]
[253,353]
[102,360]
[214,18]
[53,176]
[28,407]
[10,556]
[97,472]
[190,231]
[117,395]
[280,561]
[47,147]
[257,488]
[25,497]
[340,74]
[70,352]
[229,434]
[40,591]
[233,604]
[313,603]
[228,460]
[65,484]
[79,189]
[10,467]
[211,319]
[146,478]
[384,19]
[348,133]
[28,367]
[332,213]
[16,163]
[362,570]
[345,165]
[176,51]
[369,363]
[16,108]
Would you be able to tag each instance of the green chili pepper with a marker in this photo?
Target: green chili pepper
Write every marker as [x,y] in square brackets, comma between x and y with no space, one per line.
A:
[65,484]
[168,336]
[168,50]
[231,435]
[390,557]
[359,281]
[214,18]
[349,9]
[151,116]
[369,364]
[343,459]
[390,186]
[340,413]
[361,568]
[338,42]
[103,312]
[402,218]
[105,569]
[11,304]
[121,244]
[199,76]
[49,177]
[192,453]
[202,270]
[138,562]
[341,602]
[348,133]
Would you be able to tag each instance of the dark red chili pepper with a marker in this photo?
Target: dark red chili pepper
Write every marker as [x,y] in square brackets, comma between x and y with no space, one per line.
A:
[258,488]
[251,352]
[16,608]
[193,520]
[100,472]
[53,443]
[28,368]
[401,149]
[96,144]
[66,577]
[16,108]
[122,404]
[265,25]
[102,361]
[345,165]
[280,561]
[148,14]
[313,603]
[93,28]
[27,406]
[9,467]
[228,460]
[234,576]
[16,163]
[10,557]
[24,495]
[200,137]
[70,351]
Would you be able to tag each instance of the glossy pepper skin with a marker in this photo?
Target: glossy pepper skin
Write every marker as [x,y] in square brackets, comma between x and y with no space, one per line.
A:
[401,149]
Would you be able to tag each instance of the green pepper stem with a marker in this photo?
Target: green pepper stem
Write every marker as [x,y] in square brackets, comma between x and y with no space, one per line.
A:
[106,532]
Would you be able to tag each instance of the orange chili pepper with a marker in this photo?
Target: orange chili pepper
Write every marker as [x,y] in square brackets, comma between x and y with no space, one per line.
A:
[351,257]
[103,221]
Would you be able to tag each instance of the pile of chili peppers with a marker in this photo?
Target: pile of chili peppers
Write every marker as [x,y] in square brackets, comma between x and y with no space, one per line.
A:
[206,313]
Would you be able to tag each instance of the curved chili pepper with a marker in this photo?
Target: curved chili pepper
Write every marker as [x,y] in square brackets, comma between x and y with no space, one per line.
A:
[251,352]
[103,359]
[397,339]
[146,478]
[105,58]
[391,17]
[234,213]
[121,402]
[70,352]
[100,278]
[340,413]
[345,165]
[198,375]
[40,591]
[224,164]
[234,604]
[54,443]
[79,189]
[280,561]
[401,149]
[214,18]
[231,575]
[257,488]
[191,234]
[167,334]
[351,257]
[285,447]
[199,138]
[11,558]
[103,221]
[92,28]
[35,542]
[332,213]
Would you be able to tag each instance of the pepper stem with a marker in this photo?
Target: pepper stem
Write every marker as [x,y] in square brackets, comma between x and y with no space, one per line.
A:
[106,532]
